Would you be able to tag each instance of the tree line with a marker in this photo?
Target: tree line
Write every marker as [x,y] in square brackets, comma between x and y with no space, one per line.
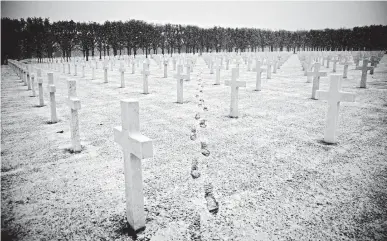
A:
[39,38]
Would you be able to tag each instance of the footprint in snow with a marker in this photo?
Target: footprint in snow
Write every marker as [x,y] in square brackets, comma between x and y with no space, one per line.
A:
[193,136]
[212,204]
[203,124]
[194,228]
[195,173]
[204,150]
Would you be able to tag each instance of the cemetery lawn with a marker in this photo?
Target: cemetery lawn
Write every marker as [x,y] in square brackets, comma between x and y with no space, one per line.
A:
[272,176]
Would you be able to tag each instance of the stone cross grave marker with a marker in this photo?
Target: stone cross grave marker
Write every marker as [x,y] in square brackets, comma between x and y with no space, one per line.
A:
[180,79]
[52,90]
[145,73]
[83,70]
[135,147]
[316,78]
[356,59]
[217,76]
[328,59]
[122,70]
[364,69]
[259,70]
[165,68]
[374,63]
[249,62]
[345,71]
[133,67]
[24,76]
[75,68]
[92,72]
[40,88]
[28,78]
[212,62]
[275,64]
[335,60]
[188,69]
[33,85]
[75,104]
[268,70]
[105,71]
[334,96]
[234,84]
[50,78]
[174,62]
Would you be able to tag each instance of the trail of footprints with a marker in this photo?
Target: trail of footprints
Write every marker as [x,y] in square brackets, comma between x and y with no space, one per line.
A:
[212,204]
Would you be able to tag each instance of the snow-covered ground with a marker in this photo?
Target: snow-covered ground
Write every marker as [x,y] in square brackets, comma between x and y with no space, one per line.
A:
[272,175]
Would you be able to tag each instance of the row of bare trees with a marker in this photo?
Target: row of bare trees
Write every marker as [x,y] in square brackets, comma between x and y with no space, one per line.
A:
[37,37]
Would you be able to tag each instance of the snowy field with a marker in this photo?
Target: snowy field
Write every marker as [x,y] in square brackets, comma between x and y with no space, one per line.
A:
[272,176]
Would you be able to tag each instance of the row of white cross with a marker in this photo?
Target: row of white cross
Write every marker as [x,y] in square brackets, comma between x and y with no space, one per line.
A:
[137,146]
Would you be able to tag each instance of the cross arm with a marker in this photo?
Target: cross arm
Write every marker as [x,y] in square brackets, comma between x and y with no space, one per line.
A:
[74,103]
[146,72]
[136,143]
[322,74]
[181,76]
[52,88]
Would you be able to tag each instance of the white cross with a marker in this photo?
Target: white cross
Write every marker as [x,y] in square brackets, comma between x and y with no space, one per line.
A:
[259,70]
[345,71]
[165,68]
[217,76]
[188,74]
[75,69]
[235,84]
[364,69]
[145,72]
[40,88]
[52,91]
[75,104]
[50,78]
[135,147]
[179,78]
[316,78]
[335,60]
[268,76]
[122,70]
[133,67]
[334,96]
[328,59]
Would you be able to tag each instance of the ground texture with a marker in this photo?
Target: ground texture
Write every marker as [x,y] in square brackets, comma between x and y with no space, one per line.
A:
[268,171]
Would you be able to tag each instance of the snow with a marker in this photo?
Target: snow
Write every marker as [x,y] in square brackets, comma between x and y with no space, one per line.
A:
[271,174]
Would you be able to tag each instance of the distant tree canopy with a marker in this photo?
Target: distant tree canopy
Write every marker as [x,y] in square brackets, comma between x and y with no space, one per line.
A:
[38,38]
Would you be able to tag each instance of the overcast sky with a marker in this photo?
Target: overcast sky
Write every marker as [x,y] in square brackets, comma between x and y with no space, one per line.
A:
[272,15]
